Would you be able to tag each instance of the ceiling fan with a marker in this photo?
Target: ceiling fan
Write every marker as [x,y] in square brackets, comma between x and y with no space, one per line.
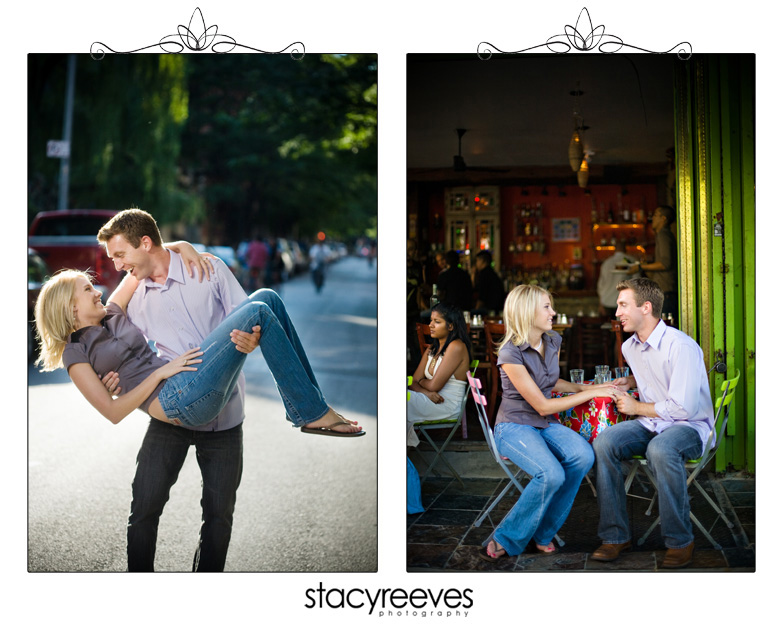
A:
[459,164]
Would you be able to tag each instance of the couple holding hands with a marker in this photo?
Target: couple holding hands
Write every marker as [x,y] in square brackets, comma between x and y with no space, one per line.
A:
[672,421]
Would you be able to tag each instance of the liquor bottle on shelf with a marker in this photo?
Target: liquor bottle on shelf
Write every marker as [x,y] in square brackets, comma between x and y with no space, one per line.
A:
[434,296]
[610,216]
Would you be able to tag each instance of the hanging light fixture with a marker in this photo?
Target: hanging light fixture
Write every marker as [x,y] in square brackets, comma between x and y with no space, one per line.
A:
[576,145]
[575,151]
[582,174]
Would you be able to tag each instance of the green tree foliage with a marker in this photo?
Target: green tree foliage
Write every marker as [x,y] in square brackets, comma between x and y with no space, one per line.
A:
[128,116]
[232,142]
[288,146]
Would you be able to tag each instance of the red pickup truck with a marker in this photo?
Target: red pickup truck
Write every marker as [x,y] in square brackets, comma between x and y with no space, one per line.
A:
[66,239]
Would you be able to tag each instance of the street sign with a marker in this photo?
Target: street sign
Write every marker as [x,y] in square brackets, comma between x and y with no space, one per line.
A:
[58,149]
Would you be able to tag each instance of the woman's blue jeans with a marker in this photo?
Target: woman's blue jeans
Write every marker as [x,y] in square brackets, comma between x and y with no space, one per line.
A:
[666,454]
[196,398]
[557,459]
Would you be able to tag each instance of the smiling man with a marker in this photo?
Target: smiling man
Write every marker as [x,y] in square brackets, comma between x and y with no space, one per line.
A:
[177,312]
[674,419]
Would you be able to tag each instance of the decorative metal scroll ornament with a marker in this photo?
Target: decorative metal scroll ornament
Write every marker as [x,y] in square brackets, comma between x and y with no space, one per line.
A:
[584,38]
[197,38]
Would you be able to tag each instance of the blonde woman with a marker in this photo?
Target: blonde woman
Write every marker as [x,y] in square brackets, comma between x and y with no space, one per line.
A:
[526,431]
[78,333]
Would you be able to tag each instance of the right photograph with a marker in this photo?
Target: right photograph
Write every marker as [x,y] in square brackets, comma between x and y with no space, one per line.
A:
[580,307]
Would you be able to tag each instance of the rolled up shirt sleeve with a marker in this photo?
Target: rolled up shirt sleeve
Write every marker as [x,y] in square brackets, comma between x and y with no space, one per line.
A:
[683,399]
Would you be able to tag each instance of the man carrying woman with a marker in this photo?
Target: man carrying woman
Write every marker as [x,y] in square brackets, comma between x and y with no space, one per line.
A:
[179,313]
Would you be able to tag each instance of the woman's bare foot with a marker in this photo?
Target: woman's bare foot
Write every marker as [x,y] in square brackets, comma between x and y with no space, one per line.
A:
[493,552]
[332,423]
[550,548]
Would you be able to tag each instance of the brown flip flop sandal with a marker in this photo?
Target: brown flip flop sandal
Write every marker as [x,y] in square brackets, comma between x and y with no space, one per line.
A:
[329,430]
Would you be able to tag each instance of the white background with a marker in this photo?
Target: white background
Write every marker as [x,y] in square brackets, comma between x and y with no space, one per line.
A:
[391,29]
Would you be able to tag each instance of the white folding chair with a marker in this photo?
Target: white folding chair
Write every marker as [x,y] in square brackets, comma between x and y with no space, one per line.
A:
[506,464]
[695,466]
[423,428]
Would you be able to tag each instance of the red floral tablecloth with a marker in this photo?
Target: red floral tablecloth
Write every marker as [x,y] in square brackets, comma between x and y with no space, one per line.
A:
[591,418]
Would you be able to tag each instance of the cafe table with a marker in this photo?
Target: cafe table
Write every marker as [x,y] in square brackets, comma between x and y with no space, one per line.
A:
[589,419]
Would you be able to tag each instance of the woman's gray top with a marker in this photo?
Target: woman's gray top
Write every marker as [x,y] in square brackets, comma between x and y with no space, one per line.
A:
[115,346]
[543,370]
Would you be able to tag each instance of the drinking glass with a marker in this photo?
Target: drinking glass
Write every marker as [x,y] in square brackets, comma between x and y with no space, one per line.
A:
[621,372]
[577,375]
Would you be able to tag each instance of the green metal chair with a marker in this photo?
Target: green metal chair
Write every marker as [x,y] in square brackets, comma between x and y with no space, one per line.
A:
[695,466]
[423,428]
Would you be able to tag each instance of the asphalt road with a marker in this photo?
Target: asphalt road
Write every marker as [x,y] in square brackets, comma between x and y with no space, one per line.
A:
[306,503]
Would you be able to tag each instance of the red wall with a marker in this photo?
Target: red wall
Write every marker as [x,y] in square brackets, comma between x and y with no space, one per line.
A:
[571,202]
[565,202]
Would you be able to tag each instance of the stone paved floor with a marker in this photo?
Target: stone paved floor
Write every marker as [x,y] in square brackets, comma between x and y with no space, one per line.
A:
[444,538]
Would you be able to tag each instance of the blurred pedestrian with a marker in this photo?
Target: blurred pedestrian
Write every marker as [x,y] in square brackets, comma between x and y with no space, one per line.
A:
[256,257]
[318,263]
[273,277]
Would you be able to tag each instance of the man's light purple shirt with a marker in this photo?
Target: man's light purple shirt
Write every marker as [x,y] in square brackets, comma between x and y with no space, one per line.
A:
[179,313]
[670,372]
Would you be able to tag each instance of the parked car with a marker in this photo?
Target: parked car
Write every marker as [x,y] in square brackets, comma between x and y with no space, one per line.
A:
[287,257]
[225,253]
[37,271]
[67,239]
[299,256]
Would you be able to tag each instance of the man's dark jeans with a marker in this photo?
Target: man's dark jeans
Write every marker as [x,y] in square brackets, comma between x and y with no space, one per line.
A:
[162,454]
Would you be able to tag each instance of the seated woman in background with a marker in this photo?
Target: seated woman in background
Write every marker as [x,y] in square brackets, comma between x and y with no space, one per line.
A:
[525,430]
[439,383]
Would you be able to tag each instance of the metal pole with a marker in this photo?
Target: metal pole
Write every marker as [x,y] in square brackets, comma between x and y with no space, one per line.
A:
[65,162]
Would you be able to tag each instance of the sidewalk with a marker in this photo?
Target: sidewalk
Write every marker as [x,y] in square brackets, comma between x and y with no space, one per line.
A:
[443,537]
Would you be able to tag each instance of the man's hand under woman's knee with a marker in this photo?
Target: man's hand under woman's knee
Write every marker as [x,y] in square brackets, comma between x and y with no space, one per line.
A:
[246,342]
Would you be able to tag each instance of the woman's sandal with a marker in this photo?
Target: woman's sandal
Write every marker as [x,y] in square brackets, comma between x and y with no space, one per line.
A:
[330,429]
[497,555]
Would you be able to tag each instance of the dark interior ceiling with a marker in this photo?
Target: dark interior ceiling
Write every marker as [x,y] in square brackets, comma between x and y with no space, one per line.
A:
[519,114]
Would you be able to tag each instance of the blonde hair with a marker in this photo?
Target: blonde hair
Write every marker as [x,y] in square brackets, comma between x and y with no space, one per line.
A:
[519,311]
[54,317]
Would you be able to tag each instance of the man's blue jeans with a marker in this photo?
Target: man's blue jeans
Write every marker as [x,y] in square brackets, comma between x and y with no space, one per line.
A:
[196,398]
[666,453]
[163,451]
[557,459]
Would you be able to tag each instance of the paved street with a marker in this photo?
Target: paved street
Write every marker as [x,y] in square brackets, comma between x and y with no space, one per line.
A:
[306,503]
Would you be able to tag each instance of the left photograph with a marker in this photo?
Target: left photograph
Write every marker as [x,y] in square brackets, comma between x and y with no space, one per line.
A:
[202,313]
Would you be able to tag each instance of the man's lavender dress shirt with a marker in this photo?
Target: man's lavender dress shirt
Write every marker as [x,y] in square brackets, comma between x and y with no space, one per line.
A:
[178,314]
[670,372]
